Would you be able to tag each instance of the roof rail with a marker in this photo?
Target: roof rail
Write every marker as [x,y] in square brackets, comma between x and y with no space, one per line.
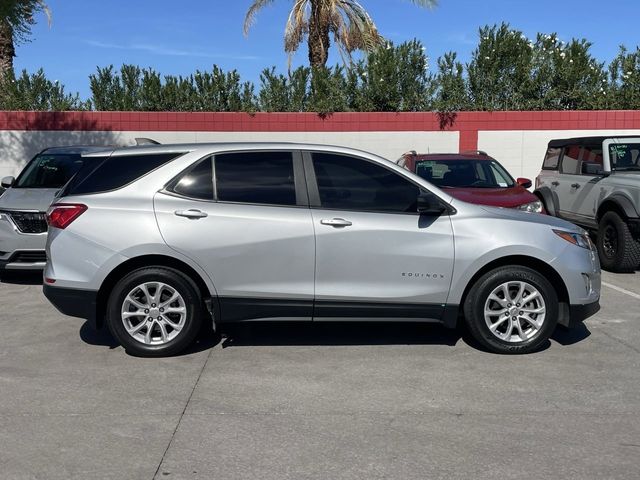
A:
[479,152]
[146,141]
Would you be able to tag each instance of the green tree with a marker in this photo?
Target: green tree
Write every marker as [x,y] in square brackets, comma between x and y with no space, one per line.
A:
[499,70]
[565,76]
[16,19]
[328,91]
[316,21]
[394,79]
[36,92]
[451,94]
[624,74]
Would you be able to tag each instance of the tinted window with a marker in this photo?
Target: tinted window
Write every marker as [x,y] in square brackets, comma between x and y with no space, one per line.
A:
[571,160]
[197,182]
[255,177]
[625,156]
[115,172]
[348,183]
[551,159]
[49,171]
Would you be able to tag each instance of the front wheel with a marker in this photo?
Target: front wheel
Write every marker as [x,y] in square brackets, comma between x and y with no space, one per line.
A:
[154,312]
[512,309]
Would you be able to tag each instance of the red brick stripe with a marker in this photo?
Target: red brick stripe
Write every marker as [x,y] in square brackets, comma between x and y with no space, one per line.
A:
[467,123]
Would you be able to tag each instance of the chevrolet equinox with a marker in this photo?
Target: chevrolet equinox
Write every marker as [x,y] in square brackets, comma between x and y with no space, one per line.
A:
[156,241]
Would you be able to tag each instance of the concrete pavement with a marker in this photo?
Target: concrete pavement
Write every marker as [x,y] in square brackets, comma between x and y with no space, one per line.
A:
[324,401]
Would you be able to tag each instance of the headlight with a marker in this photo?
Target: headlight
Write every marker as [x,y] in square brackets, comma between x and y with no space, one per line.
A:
[579,239]
[533,207]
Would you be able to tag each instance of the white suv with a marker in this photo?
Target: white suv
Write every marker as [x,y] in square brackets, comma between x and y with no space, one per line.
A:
[594,182]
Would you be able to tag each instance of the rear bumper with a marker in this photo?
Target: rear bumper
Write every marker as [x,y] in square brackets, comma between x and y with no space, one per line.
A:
[579,313]
[73,302]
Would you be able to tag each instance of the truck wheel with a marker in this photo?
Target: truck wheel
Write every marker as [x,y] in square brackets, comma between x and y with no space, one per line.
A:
[512,309]
[154,311]
[618,250]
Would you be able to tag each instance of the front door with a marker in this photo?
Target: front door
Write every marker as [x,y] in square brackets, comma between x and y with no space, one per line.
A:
[375,256]
[250,230]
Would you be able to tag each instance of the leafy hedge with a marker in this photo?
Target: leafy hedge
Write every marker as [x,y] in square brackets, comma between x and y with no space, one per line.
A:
[507,71]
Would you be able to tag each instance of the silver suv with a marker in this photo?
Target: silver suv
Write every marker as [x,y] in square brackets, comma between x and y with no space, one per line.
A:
[595,183]
[23,227]
[156,241]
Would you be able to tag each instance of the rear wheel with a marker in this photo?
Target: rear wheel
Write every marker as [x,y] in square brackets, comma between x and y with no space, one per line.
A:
[512,309]
[154,312]
[618,250]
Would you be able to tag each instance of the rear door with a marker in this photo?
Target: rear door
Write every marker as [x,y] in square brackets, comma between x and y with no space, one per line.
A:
[375,256]
[567,184]
[244,218]
[586,188]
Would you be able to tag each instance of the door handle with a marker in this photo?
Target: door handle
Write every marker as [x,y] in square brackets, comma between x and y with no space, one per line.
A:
[575,185]
[336,222]
[555,184]
[191,213]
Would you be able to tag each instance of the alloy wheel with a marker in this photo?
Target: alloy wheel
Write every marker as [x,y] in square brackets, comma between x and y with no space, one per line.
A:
[154,313]
[515,311]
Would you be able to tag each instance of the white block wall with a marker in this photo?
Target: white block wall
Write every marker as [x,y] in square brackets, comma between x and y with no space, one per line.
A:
[18,147]
[522,152]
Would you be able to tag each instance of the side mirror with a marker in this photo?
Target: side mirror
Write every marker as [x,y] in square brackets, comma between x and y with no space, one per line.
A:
[429,204]
[592,169]
[524,182]
[7,182]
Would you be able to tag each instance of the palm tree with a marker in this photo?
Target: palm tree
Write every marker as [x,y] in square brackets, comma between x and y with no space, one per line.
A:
[316,20]
[16,20]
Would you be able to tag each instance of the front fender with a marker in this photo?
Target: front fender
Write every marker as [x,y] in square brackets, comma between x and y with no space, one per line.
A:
[622,202]
[465,271]
[549,198]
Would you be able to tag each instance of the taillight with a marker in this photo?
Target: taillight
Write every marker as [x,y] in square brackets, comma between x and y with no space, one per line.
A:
[60,215]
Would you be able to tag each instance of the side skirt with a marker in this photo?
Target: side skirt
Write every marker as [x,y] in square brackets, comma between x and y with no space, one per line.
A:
[235,309]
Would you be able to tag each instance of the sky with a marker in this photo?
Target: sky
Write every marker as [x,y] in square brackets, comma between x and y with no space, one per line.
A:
[181,37]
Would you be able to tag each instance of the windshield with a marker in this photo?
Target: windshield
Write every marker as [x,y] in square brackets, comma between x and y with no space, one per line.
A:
[625,157]
[464,173]
[49,171]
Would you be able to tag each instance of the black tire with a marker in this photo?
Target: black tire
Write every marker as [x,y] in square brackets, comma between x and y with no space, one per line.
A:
[617,249]
[182,284]
[474,306]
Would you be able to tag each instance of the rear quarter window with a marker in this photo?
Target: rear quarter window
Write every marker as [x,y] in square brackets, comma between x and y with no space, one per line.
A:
[112,173]
[551,159]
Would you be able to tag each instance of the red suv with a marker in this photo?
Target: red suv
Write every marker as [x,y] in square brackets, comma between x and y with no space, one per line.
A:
[473,177]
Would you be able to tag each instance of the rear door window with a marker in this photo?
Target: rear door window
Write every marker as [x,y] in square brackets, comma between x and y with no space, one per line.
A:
[571,160]
[265,178]
[114,172]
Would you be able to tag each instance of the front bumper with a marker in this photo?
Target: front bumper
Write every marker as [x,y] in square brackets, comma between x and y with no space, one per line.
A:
[20,251]
[23,260]
[73,302]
